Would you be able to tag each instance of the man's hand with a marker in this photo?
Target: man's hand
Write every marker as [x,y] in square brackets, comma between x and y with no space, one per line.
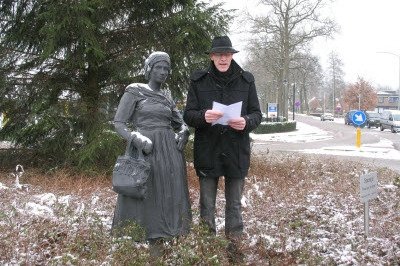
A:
[212,115]
[237,123]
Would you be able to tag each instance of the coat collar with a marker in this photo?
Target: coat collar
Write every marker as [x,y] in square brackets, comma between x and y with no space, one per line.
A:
[233,72]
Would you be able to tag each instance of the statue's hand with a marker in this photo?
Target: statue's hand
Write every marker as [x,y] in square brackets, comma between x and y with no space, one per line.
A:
[141,142]
[182,138]
[148,147]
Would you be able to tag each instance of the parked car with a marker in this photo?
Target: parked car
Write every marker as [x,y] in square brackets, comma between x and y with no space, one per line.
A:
[390,119]
[327,116]
[373,119]
[348,117]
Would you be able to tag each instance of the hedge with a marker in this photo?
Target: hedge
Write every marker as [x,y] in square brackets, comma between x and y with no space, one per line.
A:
[275,127]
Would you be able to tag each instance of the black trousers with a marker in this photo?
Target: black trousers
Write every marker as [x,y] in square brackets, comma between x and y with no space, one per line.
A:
[233,206]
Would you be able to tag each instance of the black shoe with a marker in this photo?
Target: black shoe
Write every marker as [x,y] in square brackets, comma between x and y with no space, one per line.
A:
[156,248]
[235,254]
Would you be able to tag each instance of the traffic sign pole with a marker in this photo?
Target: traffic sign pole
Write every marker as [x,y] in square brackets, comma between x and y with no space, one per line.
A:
[368,191]
[359,120]
[366,219]
[358,137]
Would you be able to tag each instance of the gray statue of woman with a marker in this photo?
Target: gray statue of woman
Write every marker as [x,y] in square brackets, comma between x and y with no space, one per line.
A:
[147,115]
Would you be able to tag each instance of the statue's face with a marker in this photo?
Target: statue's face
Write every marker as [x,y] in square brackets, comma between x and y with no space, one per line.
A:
[222,61]
[159,72]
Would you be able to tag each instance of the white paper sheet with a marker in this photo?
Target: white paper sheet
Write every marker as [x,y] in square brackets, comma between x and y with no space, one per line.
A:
[230,111]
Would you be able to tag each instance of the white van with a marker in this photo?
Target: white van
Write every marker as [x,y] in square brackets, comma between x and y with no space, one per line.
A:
[390,119]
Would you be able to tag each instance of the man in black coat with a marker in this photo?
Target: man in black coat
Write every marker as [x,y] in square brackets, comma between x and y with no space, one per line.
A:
[222,149]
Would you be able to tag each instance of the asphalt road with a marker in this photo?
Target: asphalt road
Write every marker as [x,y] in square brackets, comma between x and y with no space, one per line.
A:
[343,135]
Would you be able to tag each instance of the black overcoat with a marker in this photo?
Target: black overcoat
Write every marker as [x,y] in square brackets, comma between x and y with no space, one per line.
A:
[221,150]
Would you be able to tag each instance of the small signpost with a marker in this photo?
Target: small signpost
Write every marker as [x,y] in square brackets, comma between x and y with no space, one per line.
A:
[272,111]
[359,118]
[368,191]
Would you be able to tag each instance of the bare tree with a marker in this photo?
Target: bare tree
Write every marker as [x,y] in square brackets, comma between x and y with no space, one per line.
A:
[260,63]
[289,26]
[309,79]
[335,81]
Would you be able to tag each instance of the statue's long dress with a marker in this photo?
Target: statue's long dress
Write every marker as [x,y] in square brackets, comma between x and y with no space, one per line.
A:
[166,210]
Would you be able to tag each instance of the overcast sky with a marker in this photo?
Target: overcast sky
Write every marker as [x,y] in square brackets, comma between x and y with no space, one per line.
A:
[367,28]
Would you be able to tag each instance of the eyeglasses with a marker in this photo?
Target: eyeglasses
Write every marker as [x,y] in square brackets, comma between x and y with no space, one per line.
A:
[223,54]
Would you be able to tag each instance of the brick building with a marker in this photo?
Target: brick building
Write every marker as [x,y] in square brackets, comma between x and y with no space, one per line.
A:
[387,100]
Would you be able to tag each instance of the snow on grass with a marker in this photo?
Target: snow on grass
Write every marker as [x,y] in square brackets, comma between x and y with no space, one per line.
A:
[297,209]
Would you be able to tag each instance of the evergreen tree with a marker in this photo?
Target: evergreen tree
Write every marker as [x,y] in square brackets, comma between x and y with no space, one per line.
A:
[64,64]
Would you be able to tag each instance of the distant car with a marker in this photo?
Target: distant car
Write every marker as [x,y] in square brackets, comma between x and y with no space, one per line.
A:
[373,119]
[348,118]
[390,119]
[327,116]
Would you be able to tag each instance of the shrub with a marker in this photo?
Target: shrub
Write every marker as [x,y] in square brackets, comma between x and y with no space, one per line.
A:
[397,181]
[96,155]
[100,153]
[275,127]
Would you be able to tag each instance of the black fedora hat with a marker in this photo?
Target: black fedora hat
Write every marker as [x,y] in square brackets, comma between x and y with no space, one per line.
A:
[222,44]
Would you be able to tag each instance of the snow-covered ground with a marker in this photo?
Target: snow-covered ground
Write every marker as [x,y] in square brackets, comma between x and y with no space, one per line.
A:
[307,214]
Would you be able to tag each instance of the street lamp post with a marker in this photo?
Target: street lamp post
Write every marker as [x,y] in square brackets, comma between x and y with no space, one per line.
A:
[398,56]
[294,98]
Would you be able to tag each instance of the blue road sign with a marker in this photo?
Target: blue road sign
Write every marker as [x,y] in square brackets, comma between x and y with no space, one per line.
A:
[272,107]
[359,118]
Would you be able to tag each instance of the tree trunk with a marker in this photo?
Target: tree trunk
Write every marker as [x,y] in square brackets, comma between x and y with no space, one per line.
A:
[91,101]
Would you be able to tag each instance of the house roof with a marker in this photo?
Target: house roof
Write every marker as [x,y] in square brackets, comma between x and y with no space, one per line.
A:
[387,93]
